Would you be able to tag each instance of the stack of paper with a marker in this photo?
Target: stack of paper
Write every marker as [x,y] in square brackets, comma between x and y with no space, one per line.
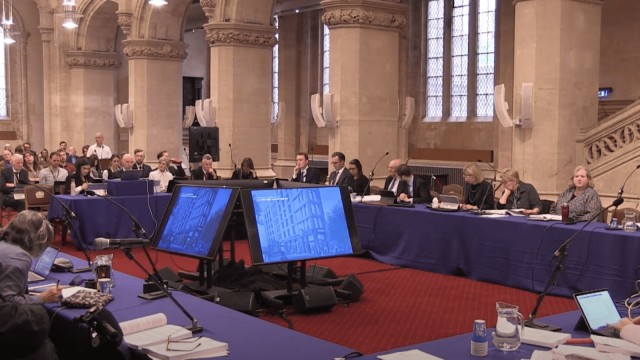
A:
[199,348]
[570,352]
[613,345]
[543,338]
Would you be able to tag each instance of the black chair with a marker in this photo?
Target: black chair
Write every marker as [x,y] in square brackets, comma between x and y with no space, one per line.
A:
[547,205]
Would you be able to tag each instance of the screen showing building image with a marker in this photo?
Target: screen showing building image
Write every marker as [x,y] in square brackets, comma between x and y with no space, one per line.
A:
[195,220]
[300,224]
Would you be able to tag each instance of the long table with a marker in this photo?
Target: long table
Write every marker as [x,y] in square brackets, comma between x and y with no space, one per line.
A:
[511,251]
[247,336]
[98,217]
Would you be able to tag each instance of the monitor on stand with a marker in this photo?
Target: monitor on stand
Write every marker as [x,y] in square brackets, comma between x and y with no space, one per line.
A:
[194,224]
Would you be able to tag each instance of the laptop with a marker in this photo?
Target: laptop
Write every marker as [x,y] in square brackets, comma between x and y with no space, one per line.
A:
[598,310]
[448,203]
[131,175]
[41,266]
[387,197]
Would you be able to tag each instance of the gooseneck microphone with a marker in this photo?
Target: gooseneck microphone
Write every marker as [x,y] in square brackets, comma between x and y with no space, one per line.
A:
[371,175]
[69,215]
[621,191]
[561,254]
[235,166]
[104,243]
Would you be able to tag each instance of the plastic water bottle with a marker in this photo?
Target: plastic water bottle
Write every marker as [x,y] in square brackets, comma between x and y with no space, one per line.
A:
[435,203]
[479,340]
[72,187]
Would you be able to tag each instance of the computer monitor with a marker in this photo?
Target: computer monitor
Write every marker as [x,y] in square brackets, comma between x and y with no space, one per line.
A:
[195,220]
[242,184]
[286,184]
[290,225]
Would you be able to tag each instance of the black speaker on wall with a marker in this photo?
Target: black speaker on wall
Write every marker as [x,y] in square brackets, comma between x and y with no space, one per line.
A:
[203,140]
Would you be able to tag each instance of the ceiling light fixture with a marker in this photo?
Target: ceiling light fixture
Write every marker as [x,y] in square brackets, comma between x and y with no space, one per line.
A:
[158,2]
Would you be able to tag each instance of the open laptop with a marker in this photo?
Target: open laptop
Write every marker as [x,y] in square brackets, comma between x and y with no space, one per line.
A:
[387,197]
[41,266]
[598,311]
[131,175]
[448,203]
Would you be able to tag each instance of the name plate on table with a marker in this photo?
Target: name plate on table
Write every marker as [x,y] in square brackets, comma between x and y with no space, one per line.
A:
[129,188]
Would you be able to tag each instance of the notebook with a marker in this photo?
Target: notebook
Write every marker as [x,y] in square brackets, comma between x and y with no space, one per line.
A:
[598,310]
[131,175]
[41,266]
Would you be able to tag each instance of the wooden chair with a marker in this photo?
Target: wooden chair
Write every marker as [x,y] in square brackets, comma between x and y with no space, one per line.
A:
[547,205]
[453,189]
[35,198]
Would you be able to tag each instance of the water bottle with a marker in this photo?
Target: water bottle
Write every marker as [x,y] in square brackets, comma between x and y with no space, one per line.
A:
[435,203]
[72,187]
[564,210]
[479,340]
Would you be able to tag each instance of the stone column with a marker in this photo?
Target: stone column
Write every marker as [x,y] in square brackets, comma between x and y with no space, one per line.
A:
[155,95]
[90,97]
[241,91]
[365,78]
[557,48]
[46,32]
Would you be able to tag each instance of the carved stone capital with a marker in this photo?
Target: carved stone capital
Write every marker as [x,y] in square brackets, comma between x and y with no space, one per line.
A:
[155,49]
[240,34]
[209,7]
[388,14]
[125,21]
[91,59]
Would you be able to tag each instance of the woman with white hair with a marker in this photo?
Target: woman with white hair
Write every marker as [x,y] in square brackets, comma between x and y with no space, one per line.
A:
[26,237]
[162,174]
[583,200]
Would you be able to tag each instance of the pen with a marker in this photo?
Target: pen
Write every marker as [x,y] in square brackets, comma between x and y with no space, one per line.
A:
[58,285]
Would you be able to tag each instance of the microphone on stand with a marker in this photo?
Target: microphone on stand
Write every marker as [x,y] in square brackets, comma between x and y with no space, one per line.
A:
[104,243]
[561,254]
[371,175]
[235,167]
[69,215]
[484,198]
[621,191]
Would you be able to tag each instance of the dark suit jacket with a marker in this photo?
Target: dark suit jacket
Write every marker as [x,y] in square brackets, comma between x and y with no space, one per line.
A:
[146,170]
[388,180]
[312,176]
[198,174]
[345,177]
[6,177]
[421,193]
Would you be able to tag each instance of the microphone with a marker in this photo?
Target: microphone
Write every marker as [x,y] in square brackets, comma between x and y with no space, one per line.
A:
[103,243]
[406,162]
[484,198]
[235,167]
[561,254]
[371,174]
[621,191]
[69,216]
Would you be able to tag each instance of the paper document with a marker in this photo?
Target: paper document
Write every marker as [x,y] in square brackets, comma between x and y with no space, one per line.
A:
[588,353]
[151,330]
[546,217]
[543,338]
[414,354]
[192,348]
[614,345]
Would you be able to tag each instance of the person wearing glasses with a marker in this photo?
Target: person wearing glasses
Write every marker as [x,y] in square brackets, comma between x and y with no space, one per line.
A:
[54,172]
[477,192]
[583,200]
[340,175]
[518,194]
[358,183]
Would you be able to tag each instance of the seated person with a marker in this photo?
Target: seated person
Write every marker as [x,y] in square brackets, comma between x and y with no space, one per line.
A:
[127,165]
[177,170]
[79,182]
[393,180]
[12,177]
[26,237]
[246,171]
[303,172]
[412,189]
[113,171]
[583,200]
[517,194]
[94,162]
[162,174]
[477,192]
[206,170]
[358,183]
[24,332]
[54,172]
[32,166]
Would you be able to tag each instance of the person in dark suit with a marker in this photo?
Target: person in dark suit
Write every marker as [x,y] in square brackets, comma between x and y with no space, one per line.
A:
[412,189]
[140,165]
[393,180]
[303,173]
[247,171]
[206,170]
[340,175]
[9,178]
[358,183]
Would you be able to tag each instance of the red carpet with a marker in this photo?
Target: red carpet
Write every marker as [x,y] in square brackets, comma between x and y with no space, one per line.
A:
[400,306]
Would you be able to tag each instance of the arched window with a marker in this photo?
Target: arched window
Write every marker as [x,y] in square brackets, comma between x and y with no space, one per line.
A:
[274,74]
[3,80]
[460,63]
[326,49]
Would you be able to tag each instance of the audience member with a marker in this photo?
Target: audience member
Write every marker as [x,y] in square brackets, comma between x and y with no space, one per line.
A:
[477,192]
[162,174]
[63,145]
[140,165]
[19,150]
[629,329]
[340,176]
[54,172]
[246,170]
[32,166]
[113,171]
[8,146]
[358,183]
[583,200]
[177,170]
[26,237]
[26,146]
[303,172]
[518,194]
[78,183]
[412,189]
[72,157]
[85,149]
[206,170]
[127,163]
[95,166]
[9,178]
[392,181]
[99,148]
[44,155]
[6,158]
[71,168]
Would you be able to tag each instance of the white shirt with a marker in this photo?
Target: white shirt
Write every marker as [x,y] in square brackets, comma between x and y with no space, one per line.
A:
[163,176]
[48,176]
[103,152]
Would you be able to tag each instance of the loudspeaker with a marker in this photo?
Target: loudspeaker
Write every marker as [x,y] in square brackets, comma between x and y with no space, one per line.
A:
[317,272]
[351,289]
[243,301]
[312,299]
[203,140]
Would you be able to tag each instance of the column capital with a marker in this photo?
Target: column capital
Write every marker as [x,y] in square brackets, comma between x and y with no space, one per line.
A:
[209,7]
[240,34]
[155,49]
[125,21]
[91,59]
[594,2]
[387,14]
